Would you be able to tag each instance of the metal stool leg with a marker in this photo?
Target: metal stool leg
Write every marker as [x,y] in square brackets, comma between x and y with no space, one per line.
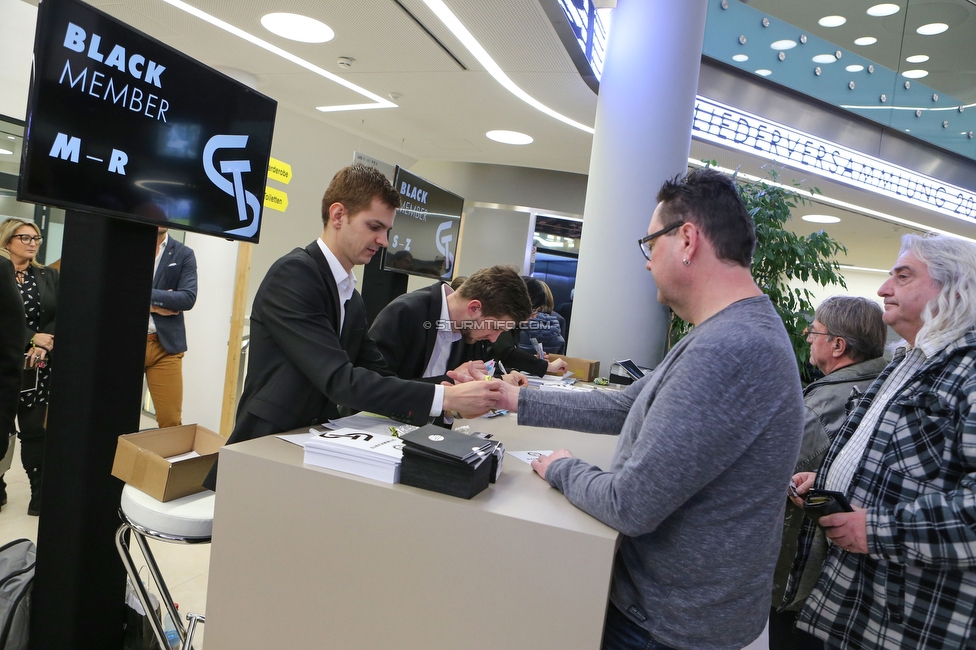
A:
[190,629]
[161,584]
[122,544]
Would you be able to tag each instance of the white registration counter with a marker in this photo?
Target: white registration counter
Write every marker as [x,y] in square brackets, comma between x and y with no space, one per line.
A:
[304,557]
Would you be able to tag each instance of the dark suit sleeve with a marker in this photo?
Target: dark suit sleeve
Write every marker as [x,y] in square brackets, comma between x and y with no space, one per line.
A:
[297,313]
[392,332]
[184,290]
[507,351]
[12,331]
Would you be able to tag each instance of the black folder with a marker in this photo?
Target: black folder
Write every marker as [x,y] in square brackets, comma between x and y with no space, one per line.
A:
[452,445]
[446,461]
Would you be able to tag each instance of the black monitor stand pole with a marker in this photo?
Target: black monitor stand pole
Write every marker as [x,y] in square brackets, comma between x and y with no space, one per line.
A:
[96,386]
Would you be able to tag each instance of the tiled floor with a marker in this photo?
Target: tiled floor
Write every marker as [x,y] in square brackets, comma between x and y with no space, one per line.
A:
[183,567]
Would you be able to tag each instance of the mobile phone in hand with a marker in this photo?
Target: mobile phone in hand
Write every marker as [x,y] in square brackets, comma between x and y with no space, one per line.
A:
[825,502]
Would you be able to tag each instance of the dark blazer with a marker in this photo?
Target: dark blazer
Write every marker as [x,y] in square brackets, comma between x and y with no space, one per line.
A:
[174,288]
[13,330]
[47,293]
[507,351]
[299,369]
[406,330]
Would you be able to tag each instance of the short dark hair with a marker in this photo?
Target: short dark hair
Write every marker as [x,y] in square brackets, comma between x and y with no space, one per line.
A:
[458,281]
[539,294]
[710,199]
[858,321]
[355,187]
[501,292]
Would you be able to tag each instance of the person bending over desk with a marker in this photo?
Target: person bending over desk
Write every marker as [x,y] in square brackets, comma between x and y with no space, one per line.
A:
[425,333]
[309,348]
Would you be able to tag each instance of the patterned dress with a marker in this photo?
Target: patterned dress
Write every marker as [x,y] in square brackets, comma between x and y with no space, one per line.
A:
[32,310]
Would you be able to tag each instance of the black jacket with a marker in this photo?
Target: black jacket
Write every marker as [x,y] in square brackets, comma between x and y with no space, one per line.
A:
[300,368]
[406,330]
[13,330]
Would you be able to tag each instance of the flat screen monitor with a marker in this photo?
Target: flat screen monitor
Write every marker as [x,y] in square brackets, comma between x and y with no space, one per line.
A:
[120,124]
[424,237]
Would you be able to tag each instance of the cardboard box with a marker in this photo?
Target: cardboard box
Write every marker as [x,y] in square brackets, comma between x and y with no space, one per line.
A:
[140,460]
[582,369]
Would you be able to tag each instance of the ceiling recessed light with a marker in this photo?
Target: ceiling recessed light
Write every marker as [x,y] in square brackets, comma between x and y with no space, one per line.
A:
[824,58]
[509,137]
[4,151]
[832,21]
[785,44]
[741,58]
[763,72]
[915,74]
[821,218]
[932,29]
[854,68]
[885,9]
[865,40]
[917,58]
[297,28]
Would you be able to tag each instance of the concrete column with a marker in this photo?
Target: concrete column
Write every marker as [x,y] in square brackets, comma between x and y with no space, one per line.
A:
[642,137]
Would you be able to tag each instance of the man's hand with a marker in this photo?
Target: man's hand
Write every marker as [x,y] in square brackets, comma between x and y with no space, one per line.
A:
[515,378]
[469,371]
[507,397]
[541,464]
[557,366]
[847,530]
[472,398]
[803,481]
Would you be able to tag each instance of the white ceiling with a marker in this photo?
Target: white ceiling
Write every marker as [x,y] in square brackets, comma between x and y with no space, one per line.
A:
[444,111]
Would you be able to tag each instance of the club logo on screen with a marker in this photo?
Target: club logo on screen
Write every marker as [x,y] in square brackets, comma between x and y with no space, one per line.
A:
[443,241]
[235,185]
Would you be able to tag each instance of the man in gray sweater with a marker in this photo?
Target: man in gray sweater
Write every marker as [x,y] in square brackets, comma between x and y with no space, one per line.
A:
[707,441]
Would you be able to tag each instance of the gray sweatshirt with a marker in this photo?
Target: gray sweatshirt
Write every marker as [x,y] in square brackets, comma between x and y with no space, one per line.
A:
[707,447]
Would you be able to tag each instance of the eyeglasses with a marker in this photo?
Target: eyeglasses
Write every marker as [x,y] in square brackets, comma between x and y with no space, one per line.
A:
[645,242]
[807,332]
[27,239]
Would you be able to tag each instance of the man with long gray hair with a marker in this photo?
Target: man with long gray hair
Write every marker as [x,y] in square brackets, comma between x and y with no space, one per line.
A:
[901,570]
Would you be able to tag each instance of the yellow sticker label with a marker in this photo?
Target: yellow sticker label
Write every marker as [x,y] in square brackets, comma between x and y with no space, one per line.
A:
[279,171]
[275,199]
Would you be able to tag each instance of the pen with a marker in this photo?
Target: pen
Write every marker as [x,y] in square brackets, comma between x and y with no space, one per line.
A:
[502,366]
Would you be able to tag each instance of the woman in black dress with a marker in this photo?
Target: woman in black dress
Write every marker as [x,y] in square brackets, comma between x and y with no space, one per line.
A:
[19,241]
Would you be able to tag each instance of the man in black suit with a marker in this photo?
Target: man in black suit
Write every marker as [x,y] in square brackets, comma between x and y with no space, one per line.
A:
[13,329]
[309,348]
[174,291]
[427,332]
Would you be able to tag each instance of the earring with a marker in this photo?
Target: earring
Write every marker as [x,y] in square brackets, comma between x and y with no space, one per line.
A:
[686,262]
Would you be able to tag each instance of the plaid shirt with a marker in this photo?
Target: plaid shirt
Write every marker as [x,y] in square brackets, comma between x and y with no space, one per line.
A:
[916,587]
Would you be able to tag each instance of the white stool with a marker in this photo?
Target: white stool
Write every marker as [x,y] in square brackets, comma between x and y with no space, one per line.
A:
[188,520]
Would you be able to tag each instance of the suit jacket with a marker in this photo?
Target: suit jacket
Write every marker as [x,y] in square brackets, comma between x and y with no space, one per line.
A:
[406,330]
[13,330]
[300,368]
[174,288]
[47,293]
[507,351]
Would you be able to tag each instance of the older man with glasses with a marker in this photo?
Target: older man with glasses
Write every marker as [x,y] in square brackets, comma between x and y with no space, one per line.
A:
[705,440]
[901,568]
[847,338]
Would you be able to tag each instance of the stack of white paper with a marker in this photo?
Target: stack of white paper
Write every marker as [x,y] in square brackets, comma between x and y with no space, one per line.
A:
[373,455]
